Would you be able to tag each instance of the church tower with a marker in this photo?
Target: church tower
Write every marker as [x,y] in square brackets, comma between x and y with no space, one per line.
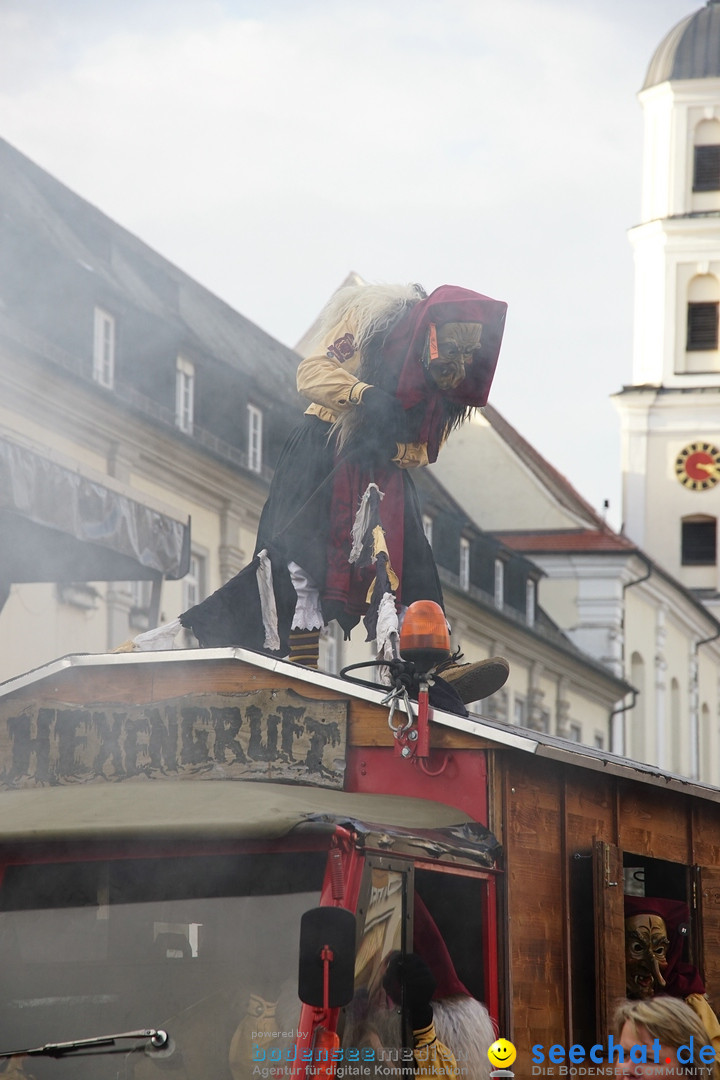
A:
[670,414]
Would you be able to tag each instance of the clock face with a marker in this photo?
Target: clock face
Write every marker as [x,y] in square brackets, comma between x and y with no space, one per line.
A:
[697,466]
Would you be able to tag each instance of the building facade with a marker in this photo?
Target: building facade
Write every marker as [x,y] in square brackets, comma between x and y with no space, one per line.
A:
[604,592]
[670,413]
[136,407]
[645,603]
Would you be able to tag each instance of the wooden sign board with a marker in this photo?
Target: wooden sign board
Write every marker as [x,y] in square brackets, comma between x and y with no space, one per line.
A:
[263,735]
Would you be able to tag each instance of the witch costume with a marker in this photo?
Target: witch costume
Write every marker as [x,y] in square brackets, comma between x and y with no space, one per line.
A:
[385,392]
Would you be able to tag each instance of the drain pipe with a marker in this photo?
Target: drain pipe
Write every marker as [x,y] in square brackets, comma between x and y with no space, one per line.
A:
[617,725]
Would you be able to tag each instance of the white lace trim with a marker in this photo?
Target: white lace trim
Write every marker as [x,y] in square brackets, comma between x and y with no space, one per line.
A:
[387,626]
[158,639]
[308,612]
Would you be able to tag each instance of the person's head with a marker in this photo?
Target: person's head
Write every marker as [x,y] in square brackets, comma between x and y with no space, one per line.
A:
[662,1025]
[455,348]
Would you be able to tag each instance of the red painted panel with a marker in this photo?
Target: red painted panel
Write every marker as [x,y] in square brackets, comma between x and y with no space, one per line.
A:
[461,779]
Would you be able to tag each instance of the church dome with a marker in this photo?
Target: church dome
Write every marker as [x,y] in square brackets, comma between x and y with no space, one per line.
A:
[691,50]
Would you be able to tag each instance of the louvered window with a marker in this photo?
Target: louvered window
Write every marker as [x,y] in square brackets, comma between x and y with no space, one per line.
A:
[702,326]
[706,173]
[699,541]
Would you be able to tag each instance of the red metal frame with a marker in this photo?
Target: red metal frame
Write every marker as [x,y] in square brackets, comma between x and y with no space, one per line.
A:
[352,867]
[462,783]
[491,969]
[353,864]
[90,851]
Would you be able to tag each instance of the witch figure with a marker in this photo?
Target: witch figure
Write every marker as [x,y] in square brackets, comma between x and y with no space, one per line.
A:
[390,373]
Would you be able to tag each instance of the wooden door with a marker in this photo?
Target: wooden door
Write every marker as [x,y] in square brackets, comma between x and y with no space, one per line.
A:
[709,921]
[609,933]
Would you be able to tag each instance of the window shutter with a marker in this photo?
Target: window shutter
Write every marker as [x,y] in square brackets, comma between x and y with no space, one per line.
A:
[702,326]
[706,172]
[699,543]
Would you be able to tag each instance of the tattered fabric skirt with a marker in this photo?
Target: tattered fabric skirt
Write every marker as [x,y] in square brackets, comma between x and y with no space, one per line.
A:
[301,524]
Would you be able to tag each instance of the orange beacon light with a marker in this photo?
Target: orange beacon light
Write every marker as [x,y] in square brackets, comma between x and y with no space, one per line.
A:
[424,636]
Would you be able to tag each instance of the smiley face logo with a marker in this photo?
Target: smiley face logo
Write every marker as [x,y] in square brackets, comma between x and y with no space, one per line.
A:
[502,1053]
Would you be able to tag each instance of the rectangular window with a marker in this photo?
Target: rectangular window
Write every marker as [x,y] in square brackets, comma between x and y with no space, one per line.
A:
[139,615]
[499,591]
[427,523]
[193,584]
[575,733]
[530,591]
[519,711]
[104,348]
[145,928]
[706,170]
[255,418]
[702,326]
[330,651]
[699,542]
[184,394]
[464,563]
[79,594]
[141,592]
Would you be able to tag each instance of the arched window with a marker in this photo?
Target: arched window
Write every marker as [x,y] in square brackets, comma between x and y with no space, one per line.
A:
[706,156]
[705,741]
[636,737]
[698,543]
[678,736]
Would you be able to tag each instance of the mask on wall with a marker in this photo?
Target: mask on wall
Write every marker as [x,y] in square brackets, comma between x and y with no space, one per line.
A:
[646,947]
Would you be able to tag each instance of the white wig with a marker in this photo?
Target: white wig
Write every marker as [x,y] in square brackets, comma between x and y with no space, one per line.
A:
[375,308]
[464,1026]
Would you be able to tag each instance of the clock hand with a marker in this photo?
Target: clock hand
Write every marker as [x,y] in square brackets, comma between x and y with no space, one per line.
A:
[709,467]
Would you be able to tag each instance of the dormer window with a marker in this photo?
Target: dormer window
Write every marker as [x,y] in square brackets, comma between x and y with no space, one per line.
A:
[104,348]
[464,563]
[499,590]
[530,598]
[184,394]
[255,418]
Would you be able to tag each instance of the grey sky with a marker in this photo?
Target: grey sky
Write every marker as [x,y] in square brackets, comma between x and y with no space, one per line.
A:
[268,148]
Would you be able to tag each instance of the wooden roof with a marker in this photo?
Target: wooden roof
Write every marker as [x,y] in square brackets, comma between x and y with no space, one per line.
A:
[465,732]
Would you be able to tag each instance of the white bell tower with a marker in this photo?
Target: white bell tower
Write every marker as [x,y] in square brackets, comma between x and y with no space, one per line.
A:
[670,414]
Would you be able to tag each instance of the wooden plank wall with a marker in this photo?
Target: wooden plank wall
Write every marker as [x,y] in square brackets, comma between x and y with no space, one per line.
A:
[532,837]
[551,814]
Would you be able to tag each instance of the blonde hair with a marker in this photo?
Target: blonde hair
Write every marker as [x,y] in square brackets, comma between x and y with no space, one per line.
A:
[672,1022]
